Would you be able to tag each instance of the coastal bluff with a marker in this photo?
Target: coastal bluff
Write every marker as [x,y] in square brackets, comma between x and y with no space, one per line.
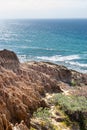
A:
[23,87]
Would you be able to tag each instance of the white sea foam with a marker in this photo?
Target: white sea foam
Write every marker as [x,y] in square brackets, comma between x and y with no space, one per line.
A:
[59,58]
[22,58]
[80,67]
[78,64]
[40,48]
[68,61]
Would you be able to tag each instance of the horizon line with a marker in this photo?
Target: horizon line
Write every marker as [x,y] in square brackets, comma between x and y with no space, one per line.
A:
[41,18]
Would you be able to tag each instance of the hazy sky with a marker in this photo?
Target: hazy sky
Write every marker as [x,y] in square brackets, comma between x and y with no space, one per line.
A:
[43,8]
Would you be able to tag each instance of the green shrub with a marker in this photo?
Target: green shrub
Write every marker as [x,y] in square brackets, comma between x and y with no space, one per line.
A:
[45,118]
[42,113]
[71,103]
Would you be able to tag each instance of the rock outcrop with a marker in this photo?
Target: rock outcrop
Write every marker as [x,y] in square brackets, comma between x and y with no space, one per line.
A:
[9,60]
[22,87]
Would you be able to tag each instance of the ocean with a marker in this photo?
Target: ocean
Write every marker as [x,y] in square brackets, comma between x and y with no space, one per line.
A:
[61,41]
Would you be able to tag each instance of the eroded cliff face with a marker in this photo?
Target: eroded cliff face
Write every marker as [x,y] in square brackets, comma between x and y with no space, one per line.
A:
[22,87]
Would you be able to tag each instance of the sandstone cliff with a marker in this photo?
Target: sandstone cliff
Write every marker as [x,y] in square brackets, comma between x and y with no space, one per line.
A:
[23,86]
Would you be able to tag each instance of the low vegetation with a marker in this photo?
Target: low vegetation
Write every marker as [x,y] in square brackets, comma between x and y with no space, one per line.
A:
[74,106]
[44,116]
[71,103]
[42,113]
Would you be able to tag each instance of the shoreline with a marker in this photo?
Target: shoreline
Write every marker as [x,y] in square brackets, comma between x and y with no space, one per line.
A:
[66,61]
[50,62]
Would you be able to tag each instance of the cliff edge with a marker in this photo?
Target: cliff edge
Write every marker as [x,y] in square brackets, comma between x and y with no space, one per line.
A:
[24,86]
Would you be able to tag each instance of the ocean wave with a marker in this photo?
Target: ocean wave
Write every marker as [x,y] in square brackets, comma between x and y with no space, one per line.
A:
[78,64]
[67,61]
[59,58]
[37,48]
[40,48]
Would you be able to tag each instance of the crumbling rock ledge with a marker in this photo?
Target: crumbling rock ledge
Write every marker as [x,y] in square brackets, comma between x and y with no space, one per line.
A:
[22,87]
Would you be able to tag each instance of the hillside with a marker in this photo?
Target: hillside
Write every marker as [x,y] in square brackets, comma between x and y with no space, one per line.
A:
[27,87]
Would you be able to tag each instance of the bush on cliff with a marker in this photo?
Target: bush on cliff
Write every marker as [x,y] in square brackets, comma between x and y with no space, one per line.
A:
[42,113]
[72,103]
[74,106]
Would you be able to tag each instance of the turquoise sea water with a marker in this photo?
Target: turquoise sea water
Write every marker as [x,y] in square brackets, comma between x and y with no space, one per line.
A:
[58,41]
